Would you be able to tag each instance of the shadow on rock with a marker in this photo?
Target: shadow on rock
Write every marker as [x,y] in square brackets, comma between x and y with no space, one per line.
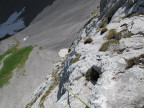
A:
[63,79]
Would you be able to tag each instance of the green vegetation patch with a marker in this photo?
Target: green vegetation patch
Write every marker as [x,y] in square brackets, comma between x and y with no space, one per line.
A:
[51,87]
[16,59]
[134,61]
[125,33]
[9,51]
[76,59]
[128,34]
[131,15]
[106,45]
[104,29]
[56,78]
[103,23]
[98,30]
[112,34]
[40,48]
[29,105]
[118,35]
[94,12]
[92,75]
[88,40]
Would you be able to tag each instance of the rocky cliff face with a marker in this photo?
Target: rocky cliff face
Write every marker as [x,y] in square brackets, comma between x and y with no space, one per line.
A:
[105,65]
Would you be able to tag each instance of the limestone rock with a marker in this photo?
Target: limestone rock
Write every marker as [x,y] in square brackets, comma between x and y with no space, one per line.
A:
[117,85]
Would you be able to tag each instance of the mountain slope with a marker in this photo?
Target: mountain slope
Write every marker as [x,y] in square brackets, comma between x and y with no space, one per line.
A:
[54,28]
[105,66]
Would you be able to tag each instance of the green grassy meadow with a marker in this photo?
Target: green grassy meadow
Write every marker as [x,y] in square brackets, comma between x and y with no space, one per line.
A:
[16,59]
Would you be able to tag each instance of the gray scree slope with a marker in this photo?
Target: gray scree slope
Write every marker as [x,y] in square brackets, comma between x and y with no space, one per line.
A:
[54,28]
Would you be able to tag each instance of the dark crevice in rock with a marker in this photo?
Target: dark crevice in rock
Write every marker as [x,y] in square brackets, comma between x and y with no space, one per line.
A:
[108,9]
[93,74]
[88,40]
[109,19]
[135,61]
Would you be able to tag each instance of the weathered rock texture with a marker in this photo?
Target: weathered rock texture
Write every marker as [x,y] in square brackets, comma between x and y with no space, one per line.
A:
[53,29]
[120,67]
